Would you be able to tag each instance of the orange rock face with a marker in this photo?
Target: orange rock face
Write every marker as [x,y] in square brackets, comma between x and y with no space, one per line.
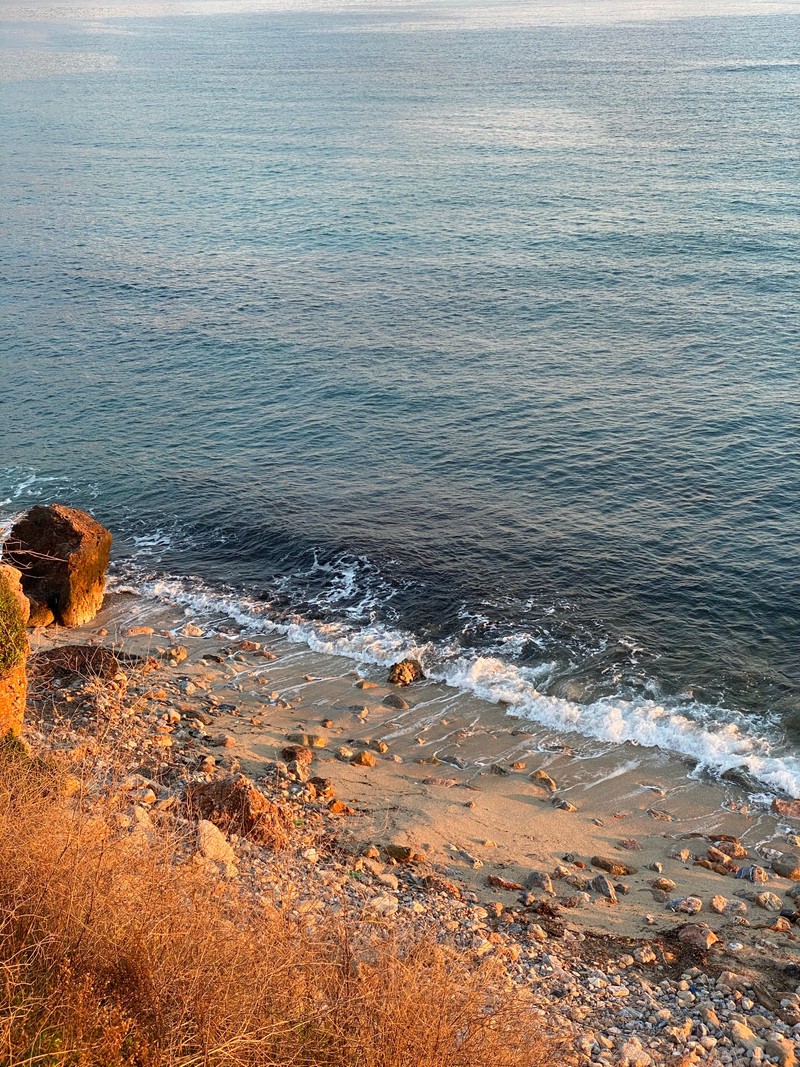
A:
[63,555]
[13,652]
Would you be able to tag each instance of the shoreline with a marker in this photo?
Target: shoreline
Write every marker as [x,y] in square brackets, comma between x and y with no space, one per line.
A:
[452,780]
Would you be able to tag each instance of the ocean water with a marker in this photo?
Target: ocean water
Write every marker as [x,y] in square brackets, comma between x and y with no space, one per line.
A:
[470,329]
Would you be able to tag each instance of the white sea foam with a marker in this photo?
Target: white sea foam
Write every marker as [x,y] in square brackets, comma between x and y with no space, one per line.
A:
[717,739]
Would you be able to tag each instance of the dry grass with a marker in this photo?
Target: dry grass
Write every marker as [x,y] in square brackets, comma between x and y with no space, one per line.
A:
[116,950]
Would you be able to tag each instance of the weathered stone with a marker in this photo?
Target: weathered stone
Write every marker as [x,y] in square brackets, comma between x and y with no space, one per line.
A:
[235,805]
[63,555]
[539,880]
[393,700]
[752,874]
[789,808]
[718,904]
[687,905]
[543,778]
[769,902]
[364,683]
[612,867]
[365,758]
[666,885]
[602,885]
[405,672]
[402,853]
[14,610]
[782,1050]
[698,935]
[744,1036]
[211,843]
[297,753]
[787,866]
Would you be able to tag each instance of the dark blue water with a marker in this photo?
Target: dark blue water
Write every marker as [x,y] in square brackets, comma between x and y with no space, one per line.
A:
[465,328]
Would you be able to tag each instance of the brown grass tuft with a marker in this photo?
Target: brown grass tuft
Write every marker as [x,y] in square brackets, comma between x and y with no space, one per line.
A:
[118,949]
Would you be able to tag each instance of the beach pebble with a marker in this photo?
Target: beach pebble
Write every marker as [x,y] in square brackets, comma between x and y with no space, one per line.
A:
[395,701]
[364,759]
[543,778]
[718,904]
[602,885]
[664,884]
[687,905]
[752,874]
[611,866]
[344,753]
[539,880]
[769,902]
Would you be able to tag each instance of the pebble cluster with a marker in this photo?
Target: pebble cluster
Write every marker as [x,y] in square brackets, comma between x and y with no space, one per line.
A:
[627,1003]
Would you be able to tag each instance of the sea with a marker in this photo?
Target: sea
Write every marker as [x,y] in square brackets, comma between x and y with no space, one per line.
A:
[466,330]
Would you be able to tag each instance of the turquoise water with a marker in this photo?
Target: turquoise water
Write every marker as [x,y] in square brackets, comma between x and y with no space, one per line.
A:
[467,328]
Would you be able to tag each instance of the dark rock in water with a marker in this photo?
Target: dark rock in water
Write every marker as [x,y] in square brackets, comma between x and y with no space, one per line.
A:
[13,652]
[236,806]
[405,672]
[63,555]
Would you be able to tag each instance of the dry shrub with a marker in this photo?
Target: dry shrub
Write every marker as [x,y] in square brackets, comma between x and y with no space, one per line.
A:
[116,949]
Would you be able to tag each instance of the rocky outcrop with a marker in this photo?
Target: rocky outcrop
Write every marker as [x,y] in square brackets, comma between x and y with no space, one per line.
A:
[13,651]
[63,555]
[236,806]
[405,672]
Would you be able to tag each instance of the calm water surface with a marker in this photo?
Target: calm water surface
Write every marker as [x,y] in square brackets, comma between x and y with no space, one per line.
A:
[442,327]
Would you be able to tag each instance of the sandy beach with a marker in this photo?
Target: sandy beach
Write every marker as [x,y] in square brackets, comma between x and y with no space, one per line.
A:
[455,779]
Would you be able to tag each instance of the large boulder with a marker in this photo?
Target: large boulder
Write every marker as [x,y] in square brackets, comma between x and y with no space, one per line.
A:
[63,555]
[236,806]
[13,651]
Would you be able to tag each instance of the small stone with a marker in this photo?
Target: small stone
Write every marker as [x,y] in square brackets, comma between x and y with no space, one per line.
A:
[543,778]
[364,683]
[344,753]
[402,853]
[687,905]
[563,805]
[769,902]
[752,874]
[364,759]
[744,1036]
[211,843]
[539,880]
[612,867]
[718,904]
[664,884]
[602,885]
[379,746]
[393,700]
